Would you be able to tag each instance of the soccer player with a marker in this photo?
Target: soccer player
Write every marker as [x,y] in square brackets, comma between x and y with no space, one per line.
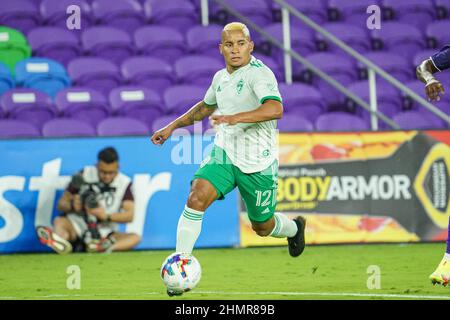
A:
[244,154]
[433,88]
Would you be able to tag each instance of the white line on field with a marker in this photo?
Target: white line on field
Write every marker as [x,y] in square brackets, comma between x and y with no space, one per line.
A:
[323,294]
[329,294]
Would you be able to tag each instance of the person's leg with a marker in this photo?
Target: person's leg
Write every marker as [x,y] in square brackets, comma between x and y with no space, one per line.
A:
[124,241]
[213,180]
[201,196]
[447,251]
[58,239]
[65,229]
[259,192]
[442,273]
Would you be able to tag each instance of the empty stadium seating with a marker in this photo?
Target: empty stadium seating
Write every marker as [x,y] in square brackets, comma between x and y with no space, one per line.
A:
[136,64]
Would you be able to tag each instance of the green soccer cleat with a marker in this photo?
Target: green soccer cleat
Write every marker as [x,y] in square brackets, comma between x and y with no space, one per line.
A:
[441,276]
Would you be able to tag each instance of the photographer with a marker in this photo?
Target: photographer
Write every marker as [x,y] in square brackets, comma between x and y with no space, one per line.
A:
[97,199]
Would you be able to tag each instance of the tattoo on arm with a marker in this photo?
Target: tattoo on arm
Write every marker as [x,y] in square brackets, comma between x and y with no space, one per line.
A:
[196,113]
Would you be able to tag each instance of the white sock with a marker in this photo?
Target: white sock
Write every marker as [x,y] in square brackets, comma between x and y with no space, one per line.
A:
[447,256]
[188,230]
[284,227]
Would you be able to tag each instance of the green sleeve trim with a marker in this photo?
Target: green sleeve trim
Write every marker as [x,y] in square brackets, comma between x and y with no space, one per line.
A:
[270,98]
[209,105]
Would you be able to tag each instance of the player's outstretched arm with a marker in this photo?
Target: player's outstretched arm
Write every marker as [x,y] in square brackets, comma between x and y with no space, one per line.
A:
[197,113]
[433,87]
[269,110]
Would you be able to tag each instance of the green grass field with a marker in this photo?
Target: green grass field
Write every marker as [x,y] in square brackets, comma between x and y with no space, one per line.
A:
[322,272]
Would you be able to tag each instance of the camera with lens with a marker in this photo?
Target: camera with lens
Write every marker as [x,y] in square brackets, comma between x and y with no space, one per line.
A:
[90,194]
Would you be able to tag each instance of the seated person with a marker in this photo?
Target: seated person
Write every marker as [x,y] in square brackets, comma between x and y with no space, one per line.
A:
[97,199]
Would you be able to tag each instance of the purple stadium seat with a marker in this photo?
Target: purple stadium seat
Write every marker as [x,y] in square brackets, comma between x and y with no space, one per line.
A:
[136,102]
[81,103]
[392,63]
[68,128]
[414,12]
[180,14]
[302,41]
[121,126]
[108,43]
[272,64]
[438,33]
[420,56]
[386,95]
[341,68]
[127,15]
[399,37]
[301,99]
[163,121]
[160,42]
[55,43]
[385,108]
[149,72]
[350,11]
[180,98]
[443,106]
[29,105]
[17,129]
[352,35]
[95,73]
[204,40]
[197,69]
[294,122]
[416,120]
[443,8]
[419,88]
[19,14]
[258,11]
[340,121]
[54,13]
[315,10]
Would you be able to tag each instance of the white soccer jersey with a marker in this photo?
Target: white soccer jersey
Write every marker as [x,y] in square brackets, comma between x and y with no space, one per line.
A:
[252,147]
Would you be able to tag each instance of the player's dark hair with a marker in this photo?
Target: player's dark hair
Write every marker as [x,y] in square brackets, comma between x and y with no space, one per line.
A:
[108,155]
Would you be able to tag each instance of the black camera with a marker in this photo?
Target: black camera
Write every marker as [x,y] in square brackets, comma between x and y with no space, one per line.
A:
[90,194]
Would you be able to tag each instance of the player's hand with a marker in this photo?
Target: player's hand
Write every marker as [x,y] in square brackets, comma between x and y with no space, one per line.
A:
[77,203]
[98,212]
[160,136]
[219,119]
[433,90]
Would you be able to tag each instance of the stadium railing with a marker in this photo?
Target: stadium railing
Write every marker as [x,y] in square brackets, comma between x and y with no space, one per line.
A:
[373,70]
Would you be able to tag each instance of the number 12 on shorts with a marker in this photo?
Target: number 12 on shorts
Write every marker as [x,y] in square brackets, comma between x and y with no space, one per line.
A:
[268,197]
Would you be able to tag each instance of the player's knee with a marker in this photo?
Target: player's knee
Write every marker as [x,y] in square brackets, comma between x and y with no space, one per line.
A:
[60,221]
[135,238]
[197,200]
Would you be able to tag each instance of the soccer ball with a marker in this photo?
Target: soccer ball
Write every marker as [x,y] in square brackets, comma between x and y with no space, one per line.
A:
[180,272]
